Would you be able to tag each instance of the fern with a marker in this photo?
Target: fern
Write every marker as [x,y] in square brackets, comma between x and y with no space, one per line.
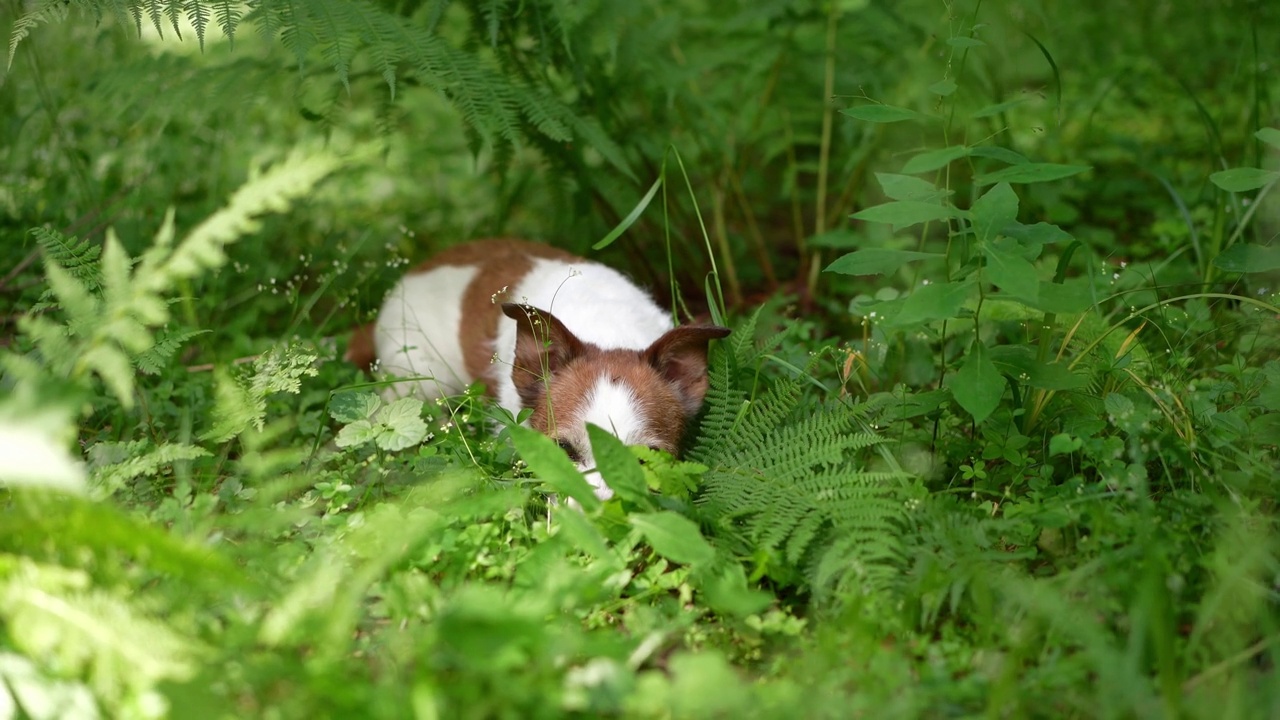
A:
[78,257]
[120,462]
[107,327]
[153,360]
[46,11]
[52,613]
[785,482]
[241,402]
[498,107]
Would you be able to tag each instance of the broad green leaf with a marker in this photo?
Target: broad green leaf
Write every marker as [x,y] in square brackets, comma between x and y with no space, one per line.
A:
[582,534]
[1020,362]
[977,385]
[998,108]
[883,113]
[674,537]
[1009,270]
[1039,234]
[404,426]
[909,187]
[943,87]
[905,213]
[619,468]
[1249,258]
[1118,406]
[965,42]
[549,464]
[1068,298]
[930,160]
[356,433]
[1270,136]
[348,407]
[990,213]
[876,261]
[1030,173]
[727,592]
[1064,444]
[1243,179]
[936,301]
[995,152]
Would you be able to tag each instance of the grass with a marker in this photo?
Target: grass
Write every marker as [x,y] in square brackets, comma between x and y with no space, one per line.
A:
[1003,443]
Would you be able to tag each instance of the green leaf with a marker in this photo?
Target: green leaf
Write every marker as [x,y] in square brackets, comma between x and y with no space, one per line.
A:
[1270,136]
[936,301]
[1243,179]
[909,187]
[905,213]
[883,113]
[403,424]
[1118,406]
[876,261]
[674,537]
[1073,296]
[582,534]
[998,108]
[1031,173]
[978,385]
[1249,258]
[997,208]
[727,592]
[348,407]
[1020,362]
[631,217]
[965,42]
[549,464]
[838,238]
[619,468]
[933,159]
[357,433]
[1064,444]
[1039,234]
[995,152]
[1009,270]
[943,87]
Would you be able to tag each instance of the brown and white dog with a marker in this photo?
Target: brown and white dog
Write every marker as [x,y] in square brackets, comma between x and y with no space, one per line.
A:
[578,343]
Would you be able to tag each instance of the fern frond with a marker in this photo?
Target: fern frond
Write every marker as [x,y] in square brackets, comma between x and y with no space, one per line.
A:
[137,461]
[153,360]
[47,11]
[198,15]
[54,613]
[785,478]
[78,258]
[228,17]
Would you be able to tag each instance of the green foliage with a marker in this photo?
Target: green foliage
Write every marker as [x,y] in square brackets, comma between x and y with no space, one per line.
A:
[1012,455]
[787,484]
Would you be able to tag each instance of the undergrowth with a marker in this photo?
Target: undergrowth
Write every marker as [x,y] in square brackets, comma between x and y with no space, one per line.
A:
[995,433]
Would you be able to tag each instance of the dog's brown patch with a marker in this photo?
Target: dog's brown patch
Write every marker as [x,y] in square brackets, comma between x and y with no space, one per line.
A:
[361,350]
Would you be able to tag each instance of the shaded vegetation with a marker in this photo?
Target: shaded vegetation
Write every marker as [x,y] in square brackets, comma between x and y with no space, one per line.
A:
[996,433]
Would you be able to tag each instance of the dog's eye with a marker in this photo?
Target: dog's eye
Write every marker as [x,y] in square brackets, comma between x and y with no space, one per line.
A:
[569,450]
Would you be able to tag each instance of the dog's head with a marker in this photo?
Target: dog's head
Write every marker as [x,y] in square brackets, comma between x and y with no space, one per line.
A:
[644,397]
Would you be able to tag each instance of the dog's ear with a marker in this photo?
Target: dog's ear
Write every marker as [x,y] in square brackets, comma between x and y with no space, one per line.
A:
[543,346]
[680,356]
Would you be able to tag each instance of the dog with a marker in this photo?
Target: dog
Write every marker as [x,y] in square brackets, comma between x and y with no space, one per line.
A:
[572,340]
